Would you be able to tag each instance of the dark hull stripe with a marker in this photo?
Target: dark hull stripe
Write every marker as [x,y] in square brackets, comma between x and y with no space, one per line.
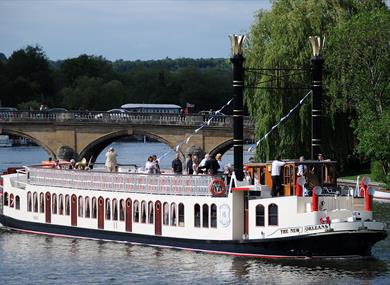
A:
[326,245]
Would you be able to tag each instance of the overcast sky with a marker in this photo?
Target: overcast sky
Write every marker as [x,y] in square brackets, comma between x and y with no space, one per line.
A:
[127,29]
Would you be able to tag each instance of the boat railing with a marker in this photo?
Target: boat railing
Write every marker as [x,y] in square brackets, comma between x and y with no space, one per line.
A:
[165,184]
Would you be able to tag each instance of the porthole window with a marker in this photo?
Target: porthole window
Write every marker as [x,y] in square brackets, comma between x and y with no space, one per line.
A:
[181,215]
[197,215]
[205,216]
[54,204]
[260,216]
[272,215]
[136,211]
[166,214]
[213,220]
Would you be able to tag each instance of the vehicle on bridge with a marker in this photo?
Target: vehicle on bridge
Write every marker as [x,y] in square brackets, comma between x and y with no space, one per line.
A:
[152,108]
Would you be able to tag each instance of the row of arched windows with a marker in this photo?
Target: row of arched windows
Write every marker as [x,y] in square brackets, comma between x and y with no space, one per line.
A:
[143,212]
[208,216]
[272,215]
[11,201]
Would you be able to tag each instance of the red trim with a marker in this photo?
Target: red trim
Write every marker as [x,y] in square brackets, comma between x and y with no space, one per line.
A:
[241,189]
[166,246]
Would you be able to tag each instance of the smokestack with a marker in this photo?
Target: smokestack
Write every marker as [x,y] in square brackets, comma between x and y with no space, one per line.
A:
[317,63]
[237,60]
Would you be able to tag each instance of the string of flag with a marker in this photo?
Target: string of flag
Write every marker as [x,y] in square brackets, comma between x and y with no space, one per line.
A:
[253,147]
[204,124]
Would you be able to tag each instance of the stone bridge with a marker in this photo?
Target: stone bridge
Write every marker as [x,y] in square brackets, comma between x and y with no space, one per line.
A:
[88,133]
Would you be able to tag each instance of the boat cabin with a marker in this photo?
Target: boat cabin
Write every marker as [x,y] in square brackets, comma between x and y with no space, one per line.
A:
[316,173]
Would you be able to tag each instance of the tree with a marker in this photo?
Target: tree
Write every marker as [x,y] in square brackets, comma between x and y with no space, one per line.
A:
[27,76]
[359,83]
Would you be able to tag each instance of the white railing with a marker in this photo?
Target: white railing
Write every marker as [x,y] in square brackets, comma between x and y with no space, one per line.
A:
[192,185]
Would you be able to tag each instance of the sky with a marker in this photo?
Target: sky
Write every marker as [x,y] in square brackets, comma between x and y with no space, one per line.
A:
[126,29]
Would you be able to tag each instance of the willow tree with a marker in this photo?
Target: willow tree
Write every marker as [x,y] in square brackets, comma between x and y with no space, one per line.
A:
[279,39]
[359,83]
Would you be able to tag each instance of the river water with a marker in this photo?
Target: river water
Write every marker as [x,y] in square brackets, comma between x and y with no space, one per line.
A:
[35,259]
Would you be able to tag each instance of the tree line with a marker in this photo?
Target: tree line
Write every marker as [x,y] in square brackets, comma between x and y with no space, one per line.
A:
[28,79]
[356,122]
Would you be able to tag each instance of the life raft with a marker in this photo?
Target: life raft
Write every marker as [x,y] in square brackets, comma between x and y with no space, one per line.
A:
[217,187]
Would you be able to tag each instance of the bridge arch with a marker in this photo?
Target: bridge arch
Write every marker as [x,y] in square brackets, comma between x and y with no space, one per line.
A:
[50,151]
[93,149]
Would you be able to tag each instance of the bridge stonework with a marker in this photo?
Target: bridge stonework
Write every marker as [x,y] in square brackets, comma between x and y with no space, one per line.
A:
[88,133]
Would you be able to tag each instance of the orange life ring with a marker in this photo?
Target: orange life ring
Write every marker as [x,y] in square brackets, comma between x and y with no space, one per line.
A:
[217,187]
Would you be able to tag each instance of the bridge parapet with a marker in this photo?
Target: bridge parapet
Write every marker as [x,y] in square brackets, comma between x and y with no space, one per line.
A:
[194,120]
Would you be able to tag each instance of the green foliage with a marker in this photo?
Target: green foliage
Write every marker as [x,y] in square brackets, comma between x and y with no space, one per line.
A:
[29,106]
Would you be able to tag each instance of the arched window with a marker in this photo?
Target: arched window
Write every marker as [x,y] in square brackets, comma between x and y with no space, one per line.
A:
[205,215]
[94,208]
[122,207]
[67,205]
[143,212]
[5,199]
[150,213]
[136,211]
[213,220]
[272,215]
[60,204]
[260,216]
[114,209]
[173,214]
[87,208]
[35,202]
[17,202]
[197,215]
[41,203]
[108,209]
[81,208]
[11,200]
[54,204]
[166,214]
[29,202]
[181,215]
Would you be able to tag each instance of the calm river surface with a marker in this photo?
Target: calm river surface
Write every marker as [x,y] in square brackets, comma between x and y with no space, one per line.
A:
[34,259]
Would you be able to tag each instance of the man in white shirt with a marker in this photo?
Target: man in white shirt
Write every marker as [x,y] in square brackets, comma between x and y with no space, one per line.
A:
[276,179]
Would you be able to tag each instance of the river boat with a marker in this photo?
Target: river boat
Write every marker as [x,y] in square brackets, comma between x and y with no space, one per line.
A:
[5,141]
[221,214]
[382,195]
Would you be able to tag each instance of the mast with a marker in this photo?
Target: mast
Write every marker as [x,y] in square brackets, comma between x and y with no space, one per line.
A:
[237,60]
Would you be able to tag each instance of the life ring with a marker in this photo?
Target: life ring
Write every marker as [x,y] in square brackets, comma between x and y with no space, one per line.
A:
[217,187]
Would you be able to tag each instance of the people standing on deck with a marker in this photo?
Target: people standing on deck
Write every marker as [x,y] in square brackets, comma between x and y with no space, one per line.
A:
[57,164]
[276,178]
[189,164]
[195,164]
[72,164]
[111,162]
[157,164]
[218,157]
[203,163]
[211,166]
[177,165]
[150,166]
[302,168]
